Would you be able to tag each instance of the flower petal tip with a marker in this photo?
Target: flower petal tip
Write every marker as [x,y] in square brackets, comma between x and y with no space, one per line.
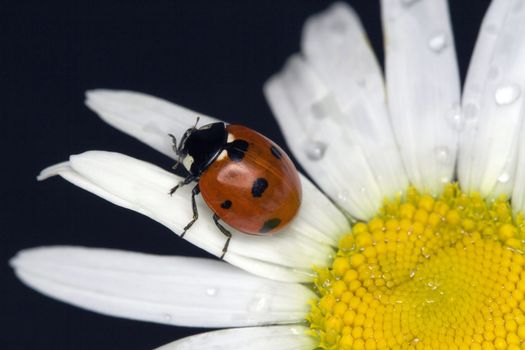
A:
[97,95]
[13,262]
[25,256]
[53,170]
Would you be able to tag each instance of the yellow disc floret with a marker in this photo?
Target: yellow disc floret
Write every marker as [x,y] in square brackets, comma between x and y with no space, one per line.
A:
[426,273]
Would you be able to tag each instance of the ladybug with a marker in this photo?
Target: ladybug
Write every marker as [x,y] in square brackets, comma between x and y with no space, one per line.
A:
[245,178]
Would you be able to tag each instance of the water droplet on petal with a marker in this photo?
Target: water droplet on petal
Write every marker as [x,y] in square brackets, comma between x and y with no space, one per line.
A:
[438,43]
[456,118]
[444,179]
[343,196]
[326,107]
[211,291]
[470,111]
[295,331]
[507,94]
[408,3]
[504,178]
[259,304]
[491,29]
[338,27]
[493,73]
[315,150]
[166,317]
[361,83]
[442,154]
[518,6]
[152,128]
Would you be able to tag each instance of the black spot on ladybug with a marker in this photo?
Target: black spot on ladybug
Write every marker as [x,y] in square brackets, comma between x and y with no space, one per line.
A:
[226,204]
[276,153]
[259,186]
[236,150]
[270,225]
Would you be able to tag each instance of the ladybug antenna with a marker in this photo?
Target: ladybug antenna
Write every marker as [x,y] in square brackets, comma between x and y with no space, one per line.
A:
[196,122]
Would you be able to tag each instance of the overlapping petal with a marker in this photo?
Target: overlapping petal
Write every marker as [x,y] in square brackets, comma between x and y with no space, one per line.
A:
[170,290]
[259,338]
[493,105]
[423,89]
[330,104]
[142,187]
[147,118]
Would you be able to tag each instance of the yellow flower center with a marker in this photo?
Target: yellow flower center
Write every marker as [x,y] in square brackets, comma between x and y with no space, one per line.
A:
[426,273]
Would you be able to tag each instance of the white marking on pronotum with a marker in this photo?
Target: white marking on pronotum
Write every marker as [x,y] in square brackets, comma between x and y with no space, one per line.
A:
[222,155]
[187,162]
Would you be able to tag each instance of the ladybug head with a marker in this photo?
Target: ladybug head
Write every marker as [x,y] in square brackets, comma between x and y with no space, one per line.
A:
[198,148]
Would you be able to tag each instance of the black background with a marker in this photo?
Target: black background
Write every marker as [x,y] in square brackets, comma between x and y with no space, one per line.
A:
[210,56]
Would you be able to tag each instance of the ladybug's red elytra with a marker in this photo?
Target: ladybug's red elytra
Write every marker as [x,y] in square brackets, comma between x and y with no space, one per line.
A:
[245,178]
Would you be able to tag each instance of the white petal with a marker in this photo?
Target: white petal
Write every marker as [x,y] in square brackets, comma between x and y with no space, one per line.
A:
[423,89]
[140,186]
[144,117]
[331,107]
[254,338]
[172,290]
[493,103]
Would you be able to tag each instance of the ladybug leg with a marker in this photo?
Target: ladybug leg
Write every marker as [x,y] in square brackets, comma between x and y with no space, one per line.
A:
[225,232]
[196,190]
[176,150]
[186,181]
[174,144]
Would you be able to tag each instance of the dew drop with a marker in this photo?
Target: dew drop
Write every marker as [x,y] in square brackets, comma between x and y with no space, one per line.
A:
[507,94]
[259,304]
[415,341]
[412,274]
[504,178]
[493,73]
[315,150]
[325,107]
[491,29]
[295,331]
[517,7]
[445,179]
[211,291]
[438,43]
[442,154]
[470,111]
[408,3]
[343,196]
[338,27]
[166,317]
[152,128]
[456,118]
[361,83]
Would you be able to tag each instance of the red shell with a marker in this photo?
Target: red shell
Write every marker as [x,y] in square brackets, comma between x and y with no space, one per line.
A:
[263,188]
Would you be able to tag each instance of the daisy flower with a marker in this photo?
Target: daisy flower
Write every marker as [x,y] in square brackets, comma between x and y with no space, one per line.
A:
[416,240]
